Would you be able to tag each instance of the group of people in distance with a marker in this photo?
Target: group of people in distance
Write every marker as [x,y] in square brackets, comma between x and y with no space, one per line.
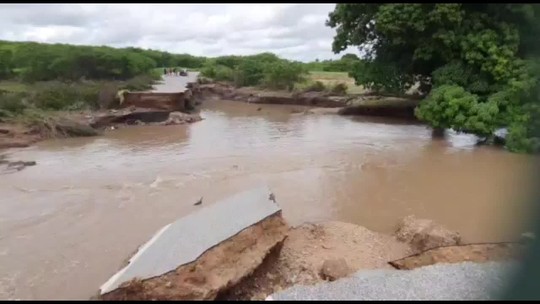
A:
[174,72]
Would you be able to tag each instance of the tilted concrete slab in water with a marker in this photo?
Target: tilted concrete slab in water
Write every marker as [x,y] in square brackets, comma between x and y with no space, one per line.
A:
[186,239]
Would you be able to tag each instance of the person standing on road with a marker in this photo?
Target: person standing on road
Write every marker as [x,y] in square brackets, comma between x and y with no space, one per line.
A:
[174,71]
[164,71]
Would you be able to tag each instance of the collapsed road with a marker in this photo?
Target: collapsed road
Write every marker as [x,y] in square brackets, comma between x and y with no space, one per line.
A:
[201,254]
[219,247]
[174,84]
[322,168]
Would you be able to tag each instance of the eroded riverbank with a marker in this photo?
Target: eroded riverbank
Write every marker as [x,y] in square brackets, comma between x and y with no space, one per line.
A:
[72,219]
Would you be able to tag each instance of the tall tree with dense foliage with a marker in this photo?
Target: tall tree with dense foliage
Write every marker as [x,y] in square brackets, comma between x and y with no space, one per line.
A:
[478,64]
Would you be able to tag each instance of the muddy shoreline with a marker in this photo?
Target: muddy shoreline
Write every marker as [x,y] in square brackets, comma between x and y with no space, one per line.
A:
[341,104]
[320,252]
[94,123]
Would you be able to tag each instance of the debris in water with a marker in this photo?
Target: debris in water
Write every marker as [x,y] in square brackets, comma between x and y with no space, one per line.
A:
[24,189]
[156,182]
[198,202]
[16,165]
[22,163]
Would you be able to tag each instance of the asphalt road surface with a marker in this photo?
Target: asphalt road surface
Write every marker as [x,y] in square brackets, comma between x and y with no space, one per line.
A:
[174,84]
[460,281]
[184,240]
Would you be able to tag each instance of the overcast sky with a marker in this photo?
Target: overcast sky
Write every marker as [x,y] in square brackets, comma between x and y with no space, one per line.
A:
[293,31]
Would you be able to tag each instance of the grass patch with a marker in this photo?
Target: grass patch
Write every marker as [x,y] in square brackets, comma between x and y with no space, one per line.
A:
[13,86]
[17,97]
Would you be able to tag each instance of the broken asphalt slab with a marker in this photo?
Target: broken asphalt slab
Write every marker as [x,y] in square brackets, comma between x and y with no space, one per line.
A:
[201,254]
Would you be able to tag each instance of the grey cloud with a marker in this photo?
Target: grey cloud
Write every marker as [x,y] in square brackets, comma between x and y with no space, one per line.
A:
[291,15]
[47,15]
[294,31]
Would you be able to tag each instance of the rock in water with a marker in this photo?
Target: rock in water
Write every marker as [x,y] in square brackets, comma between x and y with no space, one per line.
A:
[177,118]
[13,166]
[334,269]
[424,234]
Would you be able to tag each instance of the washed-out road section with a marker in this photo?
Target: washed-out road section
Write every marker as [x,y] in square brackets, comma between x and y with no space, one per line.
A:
[189,237]
[174,84]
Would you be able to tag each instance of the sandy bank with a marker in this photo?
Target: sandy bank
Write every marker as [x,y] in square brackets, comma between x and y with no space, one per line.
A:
[314,253]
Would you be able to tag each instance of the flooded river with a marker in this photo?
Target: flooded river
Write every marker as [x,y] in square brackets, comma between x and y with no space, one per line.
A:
[68,223]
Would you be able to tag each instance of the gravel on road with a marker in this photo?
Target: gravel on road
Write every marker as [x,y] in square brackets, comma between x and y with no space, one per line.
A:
[460,281]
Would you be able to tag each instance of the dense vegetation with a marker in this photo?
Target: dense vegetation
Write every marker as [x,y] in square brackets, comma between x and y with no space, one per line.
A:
[478,64]
[264,69]
[68,77]
[344,64]
[31,61]
[269,71]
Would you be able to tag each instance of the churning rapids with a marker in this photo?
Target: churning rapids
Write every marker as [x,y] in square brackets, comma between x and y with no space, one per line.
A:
[68,223]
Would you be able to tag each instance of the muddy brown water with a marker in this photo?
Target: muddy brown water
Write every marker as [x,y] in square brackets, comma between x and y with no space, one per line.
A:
[68,223]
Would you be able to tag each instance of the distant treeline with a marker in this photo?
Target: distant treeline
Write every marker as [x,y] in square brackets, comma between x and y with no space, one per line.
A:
[40,76]
[345,64]
[31,61]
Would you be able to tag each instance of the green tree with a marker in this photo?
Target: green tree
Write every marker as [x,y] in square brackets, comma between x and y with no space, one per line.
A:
[476,63]
[6,63]
[284,75]
[249,72]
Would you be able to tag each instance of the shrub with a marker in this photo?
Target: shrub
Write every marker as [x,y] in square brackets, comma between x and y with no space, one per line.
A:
[62,96]
[339,88]
[284,75]
[317,86]
[264,69]
[223,73]
[139,83]
[445,107]
[12,103]
[57,96]
[203,80]
[249,73]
